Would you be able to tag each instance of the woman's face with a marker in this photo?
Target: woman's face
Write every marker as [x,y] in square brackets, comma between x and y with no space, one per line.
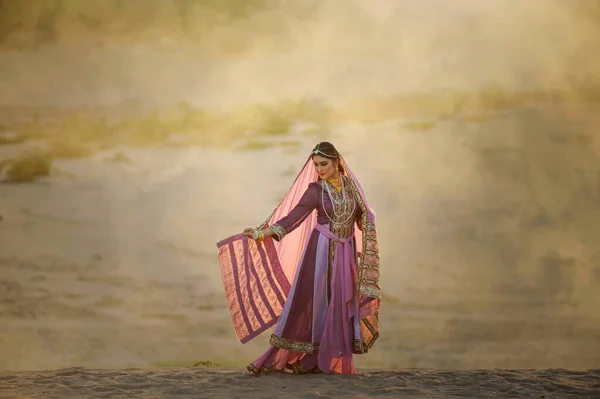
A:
[326,168]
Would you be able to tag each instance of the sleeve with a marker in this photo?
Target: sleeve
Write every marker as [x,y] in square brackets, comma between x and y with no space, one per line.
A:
[289,223]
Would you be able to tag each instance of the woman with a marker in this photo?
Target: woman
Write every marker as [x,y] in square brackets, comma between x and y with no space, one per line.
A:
[311,274]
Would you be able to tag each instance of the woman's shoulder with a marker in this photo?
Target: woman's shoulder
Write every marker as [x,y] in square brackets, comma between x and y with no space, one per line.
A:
[314,186]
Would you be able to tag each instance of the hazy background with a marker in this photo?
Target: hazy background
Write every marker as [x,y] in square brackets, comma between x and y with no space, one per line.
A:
[134,135]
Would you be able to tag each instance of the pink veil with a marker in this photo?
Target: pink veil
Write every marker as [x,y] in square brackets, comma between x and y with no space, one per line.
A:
[257,276]
[290,248]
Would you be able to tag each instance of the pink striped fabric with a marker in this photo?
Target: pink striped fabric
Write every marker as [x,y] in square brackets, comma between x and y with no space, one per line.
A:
[255,284]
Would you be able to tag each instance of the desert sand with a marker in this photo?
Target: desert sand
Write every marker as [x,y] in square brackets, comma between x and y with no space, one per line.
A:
[234,383]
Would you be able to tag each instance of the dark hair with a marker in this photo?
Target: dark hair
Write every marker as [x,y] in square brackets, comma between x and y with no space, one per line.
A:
[326,150]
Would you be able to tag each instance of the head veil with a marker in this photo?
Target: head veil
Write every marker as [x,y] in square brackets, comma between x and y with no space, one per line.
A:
[275,263]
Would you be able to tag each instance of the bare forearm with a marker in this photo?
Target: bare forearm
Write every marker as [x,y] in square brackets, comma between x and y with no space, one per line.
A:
[267,232]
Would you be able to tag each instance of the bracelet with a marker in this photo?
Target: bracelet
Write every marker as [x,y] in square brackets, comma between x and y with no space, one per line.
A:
[258,235]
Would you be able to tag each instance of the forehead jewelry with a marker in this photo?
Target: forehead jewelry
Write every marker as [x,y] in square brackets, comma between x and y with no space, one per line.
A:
[317,151]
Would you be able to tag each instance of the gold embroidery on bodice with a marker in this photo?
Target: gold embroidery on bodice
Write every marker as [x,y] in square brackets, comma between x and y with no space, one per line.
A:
[342,223]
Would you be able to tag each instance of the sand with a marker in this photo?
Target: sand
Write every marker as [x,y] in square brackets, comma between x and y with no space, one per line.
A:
[235,383]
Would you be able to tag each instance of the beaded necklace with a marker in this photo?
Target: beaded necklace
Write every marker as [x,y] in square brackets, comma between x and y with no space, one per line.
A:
[349,203]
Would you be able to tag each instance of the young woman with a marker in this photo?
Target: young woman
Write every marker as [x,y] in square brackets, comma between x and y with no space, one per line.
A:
[308,271]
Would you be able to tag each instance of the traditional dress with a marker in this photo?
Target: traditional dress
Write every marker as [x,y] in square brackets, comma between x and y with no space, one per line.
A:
[316,279]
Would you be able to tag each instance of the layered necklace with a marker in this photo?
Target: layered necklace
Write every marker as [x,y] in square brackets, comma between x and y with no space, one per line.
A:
[345,204]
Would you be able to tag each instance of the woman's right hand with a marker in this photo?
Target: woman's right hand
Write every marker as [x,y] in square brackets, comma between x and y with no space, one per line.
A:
[249,231]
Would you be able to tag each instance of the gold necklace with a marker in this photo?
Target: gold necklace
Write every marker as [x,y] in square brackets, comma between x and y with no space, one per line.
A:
[337,183]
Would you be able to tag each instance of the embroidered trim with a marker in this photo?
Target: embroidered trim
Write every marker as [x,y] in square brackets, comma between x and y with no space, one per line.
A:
[291,345]
[278,230]
[341,230]
[295,368]
[371,267]
[346,229]
[358,347]
[363,345]
[262,370]
[299,368]
[367,282]
[370,326]
[372,292]
[371,281]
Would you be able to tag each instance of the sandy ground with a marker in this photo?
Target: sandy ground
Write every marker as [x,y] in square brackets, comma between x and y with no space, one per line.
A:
[234,383]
